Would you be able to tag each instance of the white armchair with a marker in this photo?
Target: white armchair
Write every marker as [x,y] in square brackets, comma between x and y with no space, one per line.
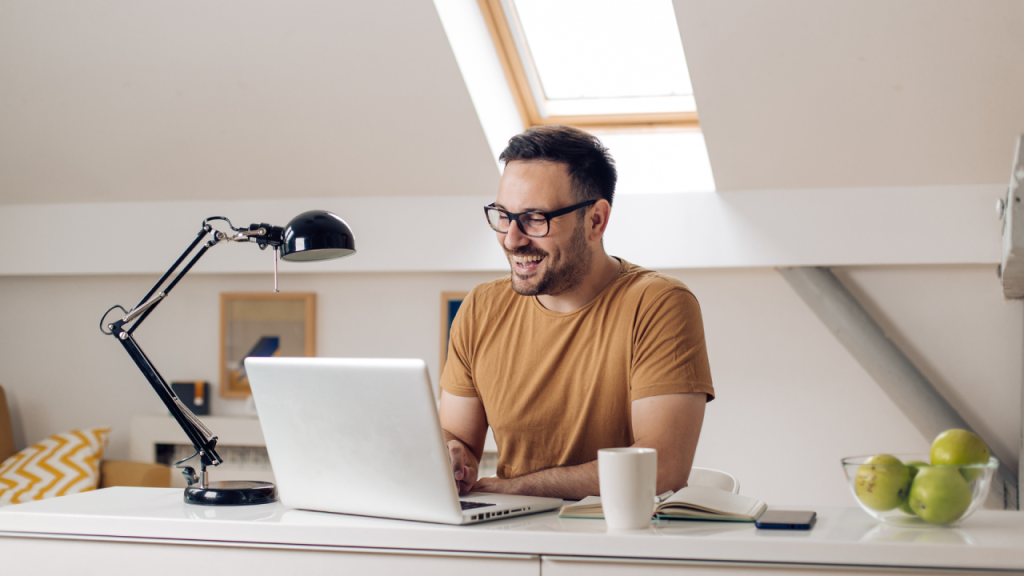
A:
[713,479]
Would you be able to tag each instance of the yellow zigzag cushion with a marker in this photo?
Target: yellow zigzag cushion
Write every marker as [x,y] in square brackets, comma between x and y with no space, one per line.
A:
[62,464]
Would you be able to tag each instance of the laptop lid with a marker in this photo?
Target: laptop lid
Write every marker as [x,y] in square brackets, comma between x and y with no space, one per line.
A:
[357,436]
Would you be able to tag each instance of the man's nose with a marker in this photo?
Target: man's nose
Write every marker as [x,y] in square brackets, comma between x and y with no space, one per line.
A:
[515,238]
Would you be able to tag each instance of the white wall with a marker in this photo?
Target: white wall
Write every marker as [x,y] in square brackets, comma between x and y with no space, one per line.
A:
[791,402]
[953,323]
[60,372]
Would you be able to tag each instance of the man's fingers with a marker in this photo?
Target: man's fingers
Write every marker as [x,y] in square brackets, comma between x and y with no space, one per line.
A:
[462,479]
[465,476]
[458,460]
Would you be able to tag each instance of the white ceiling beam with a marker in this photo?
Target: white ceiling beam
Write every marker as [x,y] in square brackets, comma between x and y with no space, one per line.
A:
[760,228]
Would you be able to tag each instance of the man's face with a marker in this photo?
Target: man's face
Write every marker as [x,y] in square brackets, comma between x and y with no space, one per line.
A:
[558,262]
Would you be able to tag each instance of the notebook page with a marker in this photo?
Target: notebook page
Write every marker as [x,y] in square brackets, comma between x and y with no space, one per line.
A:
[589,507]
[715,500]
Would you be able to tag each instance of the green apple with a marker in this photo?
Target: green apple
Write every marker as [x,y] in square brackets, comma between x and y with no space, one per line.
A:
[882,482]
[939,495]
[958,448]
[914,467]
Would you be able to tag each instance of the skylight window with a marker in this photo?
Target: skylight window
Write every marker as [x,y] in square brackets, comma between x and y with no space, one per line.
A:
[593,63]
[658,150]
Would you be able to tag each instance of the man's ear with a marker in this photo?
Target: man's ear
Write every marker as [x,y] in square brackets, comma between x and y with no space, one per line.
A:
[597,220]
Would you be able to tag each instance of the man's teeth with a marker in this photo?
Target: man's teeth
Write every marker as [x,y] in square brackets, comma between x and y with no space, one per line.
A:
[525,259]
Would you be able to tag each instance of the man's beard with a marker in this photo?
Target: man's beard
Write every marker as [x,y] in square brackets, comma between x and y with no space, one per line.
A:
[576,262]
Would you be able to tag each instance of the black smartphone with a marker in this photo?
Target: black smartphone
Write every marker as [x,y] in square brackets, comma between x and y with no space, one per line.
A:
[786,520]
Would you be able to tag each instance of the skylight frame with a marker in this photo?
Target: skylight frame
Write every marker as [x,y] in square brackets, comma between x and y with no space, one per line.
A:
[524,82]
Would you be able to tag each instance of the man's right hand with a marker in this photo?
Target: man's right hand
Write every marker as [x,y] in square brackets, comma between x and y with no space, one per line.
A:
[465,427]
[464,465]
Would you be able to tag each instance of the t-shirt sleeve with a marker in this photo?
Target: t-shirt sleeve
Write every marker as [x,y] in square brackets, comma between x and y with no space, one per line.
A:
[670,354]
[457,372]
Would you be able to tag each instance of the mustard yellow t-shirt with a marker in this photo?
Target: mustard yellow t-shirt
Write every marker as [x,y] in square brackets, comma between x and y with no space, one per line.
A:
[556,387]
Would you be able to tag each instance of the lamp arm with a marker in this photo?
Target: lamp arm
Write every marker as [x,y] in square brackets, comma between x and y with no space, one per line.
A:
[147,306]
[202,438]
[199,238]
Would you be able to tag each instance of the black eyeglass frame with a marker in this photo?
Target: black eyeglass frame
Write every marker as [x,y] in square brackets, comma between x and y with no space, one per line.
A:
[547,216]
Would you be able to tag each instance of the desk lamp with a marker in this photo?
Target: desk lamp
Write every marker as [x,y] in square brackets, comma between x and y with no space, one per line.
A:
[313,235]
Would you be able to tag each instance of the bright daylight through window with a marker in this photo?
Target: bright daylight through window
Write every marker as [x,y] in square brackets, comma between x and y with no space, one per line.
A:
[594,62]
[615,68]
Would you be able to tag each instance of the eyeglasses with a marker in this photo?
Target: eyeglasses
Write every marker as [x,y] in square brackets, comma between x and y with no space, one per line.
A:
[534,224]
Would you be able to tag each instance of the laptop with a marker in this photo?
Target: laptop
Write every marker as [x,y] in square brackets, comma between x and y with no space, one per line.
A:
[362,436]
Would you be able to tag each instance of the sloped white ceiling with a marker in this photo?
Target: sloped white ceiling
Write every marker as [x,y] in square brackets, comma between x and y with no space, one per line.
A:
[116,100]
[112,100]
[856,93]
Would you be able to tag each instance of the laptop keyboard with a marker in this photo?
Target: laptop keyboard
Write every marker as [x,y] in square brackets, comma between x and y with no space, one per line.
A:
[471,505]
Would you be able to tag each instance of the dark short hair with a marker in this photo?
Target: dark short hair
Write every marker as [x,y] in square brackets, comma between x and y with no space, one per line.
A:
[591,168]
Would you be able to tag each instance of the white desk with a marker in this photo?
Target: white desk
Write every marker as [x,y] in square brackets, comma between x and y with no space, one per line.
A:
[151,531]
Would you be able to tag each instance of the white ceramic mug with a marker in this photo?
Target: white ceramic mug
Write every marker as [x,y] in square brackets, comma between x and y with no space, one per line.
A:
[628,478]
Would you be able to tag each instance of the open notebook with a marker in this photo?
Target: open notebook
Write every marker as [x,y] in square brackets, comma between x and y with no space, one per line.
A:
[690,503]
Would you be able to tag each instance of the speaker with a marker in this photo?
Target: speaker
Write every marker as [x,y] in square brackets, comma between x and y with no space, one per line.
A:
[194,395]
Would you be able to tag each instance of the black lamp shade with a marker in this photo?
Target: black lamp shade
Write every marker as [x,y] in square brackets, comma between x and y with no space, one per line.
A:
[317,235]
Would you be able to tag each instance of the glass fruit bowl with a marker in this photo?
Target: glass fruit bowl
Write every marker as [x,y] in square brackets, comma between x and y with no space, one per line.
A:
[905,489]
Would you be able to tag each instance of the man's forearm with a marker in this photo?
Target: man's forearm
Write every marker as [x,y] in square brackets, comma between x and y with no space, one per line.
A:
[566,482]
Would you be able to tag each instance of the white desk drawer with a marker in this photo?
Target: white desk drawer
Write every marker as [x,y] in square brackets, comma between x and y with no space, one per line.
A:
[58,555]
[577,566]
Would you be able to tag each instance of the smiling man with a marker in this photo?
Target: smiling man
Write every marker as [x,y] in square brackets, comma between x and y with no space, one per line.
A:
[576,350]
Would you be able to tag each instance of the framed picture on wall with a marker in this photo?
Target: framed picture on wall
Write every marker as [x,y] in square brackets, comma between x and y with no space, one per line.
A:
[262,324]
[450,302]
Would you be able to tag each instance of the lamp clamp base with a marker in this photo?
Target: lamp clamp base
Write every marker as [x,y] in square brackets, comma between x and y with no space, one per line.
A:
[232,493]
